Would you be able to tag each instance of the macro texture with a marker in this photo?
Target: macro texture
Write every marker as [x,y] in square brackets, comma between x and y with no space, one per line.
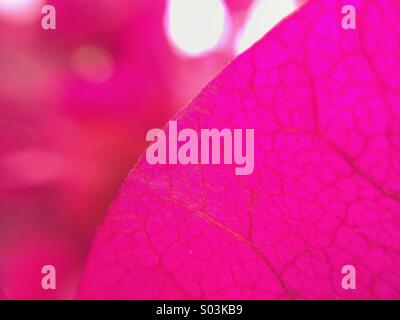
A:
[325,192]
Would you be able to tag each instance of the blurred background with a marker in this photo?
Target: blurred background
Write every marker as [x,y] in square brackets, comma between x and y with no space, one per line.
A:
[75,106]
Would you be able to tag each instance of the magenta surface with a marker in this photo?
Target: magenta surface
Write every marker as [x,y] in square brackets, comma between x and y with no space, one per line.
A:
[325,192]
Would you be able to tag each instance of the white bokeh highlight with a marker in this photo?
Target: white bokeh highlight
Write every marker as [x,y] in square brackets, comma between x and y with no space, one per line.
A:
[21,10]
[195,27]
[263,15]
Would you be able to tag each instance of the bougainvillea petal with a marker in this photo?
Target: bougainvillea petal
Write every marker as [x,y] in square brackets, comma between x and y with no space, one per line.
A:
[325,192]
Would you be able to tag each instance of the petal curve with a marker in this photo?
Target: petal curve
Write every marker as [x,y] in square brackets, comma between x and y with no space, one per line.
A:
[325,192]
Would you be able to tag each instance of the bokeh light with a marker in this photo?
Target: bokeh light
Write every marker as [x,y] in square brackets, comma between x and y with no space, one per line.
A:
[92,63]
[262,17]
[195,27]
[21,10]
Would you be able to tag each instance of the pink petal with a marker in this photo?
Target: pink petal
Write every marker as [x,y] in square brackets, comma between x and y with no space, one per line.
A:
[325,106]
